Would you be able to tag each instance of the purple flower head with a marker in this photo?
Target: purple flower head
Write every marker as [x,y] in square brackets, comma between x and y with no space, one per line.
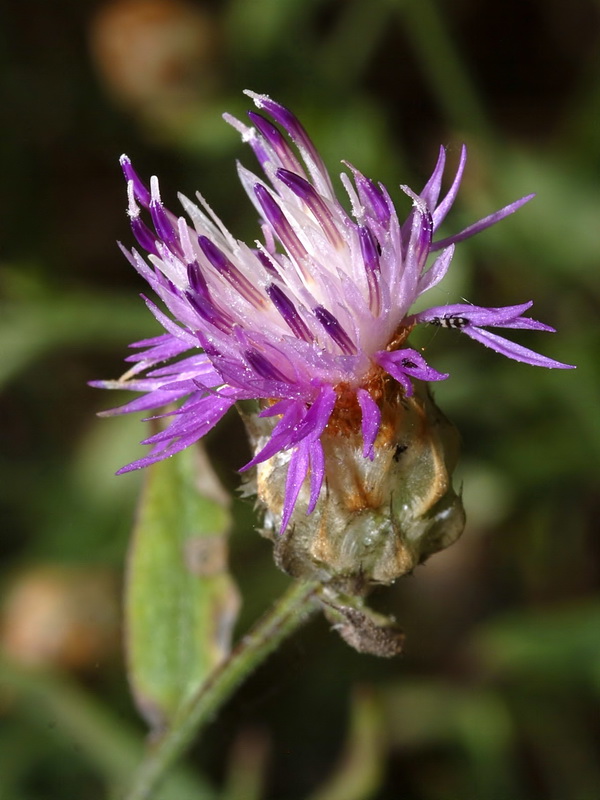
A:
[313,320]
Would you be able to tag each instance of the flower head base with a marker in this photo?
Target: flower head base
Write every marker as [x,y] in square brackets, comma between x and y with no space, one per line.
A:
[312,321]
[379,518]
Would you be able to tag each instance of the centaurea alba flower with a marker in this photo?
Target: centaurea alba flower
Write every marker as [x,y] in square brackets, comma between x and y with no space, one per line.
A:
[312,322]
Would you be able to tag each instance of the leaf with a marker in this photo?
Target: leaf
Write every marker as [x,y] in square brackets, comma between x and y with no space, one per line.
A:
[32,327]
[558,646]
[181,603]
[359,772]
[76,718]
[422,715]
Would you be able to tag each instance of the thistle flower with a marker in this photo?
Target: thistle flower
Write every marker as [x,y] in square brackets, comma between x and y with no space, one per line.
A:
[312,321]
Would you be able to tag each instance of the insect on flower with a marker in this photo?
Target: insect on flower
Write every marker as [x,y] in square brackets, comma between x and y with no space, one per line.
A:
[312,320]
[450,321]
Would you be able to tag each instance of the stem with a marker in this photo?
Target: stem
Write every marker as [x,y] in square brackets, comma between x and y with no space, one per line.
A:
[288,614]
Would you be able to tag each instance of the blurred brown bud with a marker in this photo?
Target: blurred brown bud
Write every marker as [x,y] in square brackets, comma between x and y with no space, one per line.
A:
[65,617]
[155,56]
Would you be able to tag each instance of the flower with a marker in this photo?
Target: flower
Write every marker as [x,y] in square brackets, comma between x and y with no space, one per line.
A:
[313,320]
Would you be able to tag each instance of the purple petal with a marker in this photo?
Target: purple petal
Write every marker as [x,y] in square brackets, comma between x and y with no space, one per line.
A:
[371,420]
[463,315]
[317,473]
[437,271]
[189,406]
[405,364]
[168,349]
[140,190]
[249,136]
[370,254]
[431,190]
[514,351]
[164,222]
[317,416]
[168,324]
[306,192]
[198,365]
[293,412]
[215,409]
[267,261]
[289,313]
[144,235]
[206,413]
[299,136]
[396,372]
[196,279]
[153,399]
[277,408]
[368,248]
[335,330]
[297,471]
[372,197]
[484,223]
[159,453]
[160,348]
[152,341]
[224,267]
[273,136]
[260,364]
[208,312]
[444,207]
[419,243]
[280,224]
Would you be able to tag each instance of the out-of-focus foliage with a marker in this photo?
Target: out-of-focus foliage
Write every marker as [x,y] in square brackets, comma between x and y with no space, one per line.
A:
[497,694]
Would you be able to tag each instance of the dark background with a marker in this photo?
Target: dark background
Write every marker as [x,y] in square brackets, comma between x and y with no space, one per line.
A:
[497,693]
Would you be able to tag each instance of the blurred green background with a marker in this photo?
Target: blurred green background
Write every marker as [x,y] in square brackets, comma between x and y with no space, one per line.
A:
[497,694]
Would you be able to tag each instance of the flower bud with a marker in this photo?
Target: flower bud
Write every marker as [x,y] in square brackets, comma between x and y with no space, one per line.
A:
[376,519]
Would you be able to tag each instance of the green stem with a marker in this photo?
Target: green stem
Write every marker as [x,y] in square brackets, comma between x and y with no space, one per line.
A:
[288,614]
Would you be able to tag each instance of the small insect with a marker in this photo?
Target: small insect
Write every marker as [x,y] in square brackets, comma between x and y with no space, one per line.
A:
[450,321]
[399,449]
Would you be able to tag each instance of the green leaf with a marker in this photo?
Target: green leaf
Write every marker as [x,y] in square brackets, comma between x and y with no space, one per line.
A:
[422,714]
[32,327]
[181,603]
[558,646]
[359,772]
[63,711]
